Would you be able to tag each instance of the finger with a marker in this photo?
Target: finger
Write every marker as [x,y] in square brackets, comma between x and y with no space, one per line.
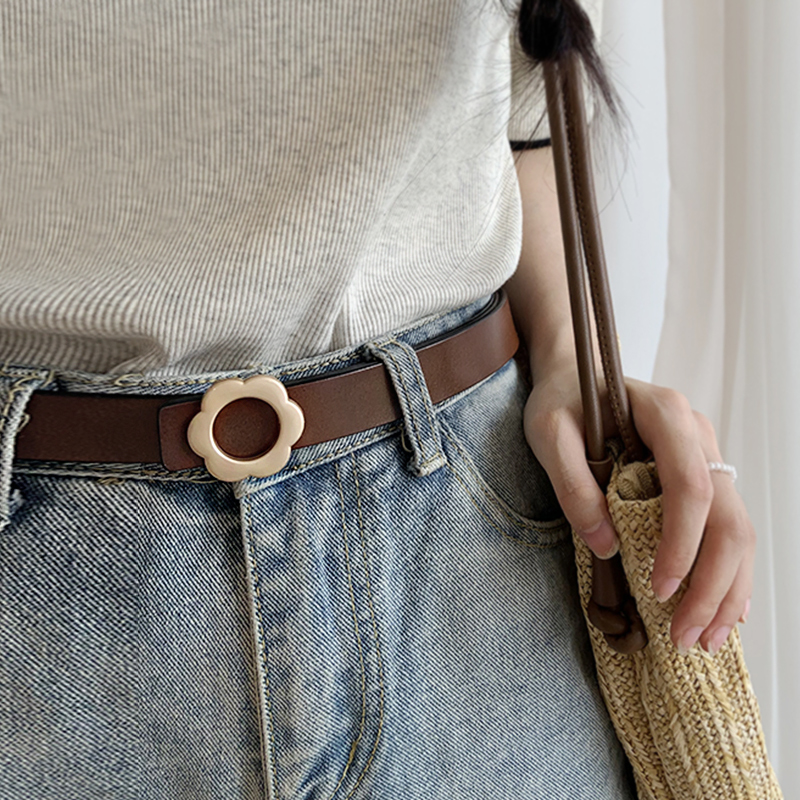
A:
[713,593]
[736,603]
[730,611]
[746,612]
[558,443]
[668,427]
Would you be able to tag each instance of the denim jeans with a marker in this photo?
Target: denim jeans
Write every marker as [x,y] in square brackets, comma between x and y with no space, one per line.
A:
[392,615]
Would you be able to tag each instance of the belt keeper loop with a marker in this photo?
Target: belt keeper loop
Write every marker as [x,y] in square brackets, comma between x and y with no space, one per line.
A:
[16,388]
[421,427]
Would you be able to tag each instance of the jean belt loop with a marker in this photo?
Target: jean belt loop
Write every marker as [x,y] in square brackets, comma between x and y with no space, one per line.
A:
[419,417]
[16,388]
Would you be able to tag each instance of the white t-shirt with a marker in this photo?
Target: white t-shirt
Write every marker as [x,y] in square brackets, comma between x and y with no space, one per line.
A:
[193,186]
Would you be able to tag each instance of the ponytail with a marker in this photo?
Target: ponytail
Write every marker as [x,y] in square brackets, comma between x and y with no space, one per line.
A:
[548,30]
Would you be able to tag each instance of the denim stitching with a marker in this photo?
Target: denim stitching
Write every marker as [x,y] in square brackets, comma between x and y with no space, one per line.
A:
[23,420]
[5,415]
[68,468]
[505,534]
[159,382]
[273,778]
[16,388]
[379,656]
[14,372]
[520,521]
[125,380]
[411,411]
[357,631]
[318,365]
[422,385]
[135,379]
[410,406]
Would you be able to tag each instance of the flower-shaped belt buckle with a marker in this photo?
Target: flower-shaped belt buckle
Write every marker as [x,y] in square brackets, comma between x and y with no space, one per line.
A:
[222,464]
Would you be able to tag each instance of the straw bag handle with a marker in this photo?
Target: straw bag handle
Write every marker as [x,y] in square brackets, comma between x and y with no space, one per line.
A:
[611,608]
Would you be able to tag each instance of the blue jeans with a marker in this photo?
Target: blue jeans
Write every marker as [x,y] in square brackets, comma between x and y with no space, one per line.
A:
[392,615]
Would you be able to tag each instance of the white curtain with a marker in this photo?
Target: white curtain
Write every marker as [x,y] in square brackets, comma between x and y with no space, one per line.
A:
[730,338]
[634,181]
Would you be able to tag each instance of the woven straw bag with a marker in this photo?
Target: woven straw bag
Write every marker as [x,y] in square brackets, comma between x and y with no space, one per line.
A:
[689,724]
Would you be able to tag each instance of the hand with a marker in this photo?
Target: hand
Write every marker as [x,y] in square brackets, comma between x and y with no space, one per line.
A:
[707,534]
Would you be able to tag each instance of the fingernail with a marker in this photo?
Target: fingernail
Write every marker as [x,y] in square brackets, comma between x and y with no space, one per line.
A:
[718,638]
[602,540]
[668,588]
[688,640]
[746,612]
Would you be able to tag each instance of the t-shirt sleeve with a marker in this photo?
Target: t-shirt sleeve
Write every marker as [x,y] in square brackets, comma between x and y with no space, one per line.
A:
[528,120]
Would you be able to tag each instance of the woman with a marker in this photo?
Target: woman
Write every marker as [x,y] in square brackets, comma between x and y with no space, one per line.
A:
[290,193]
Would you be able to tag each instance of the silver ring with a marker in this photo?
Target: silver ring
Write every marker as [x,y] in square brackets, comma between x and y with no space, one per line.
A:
[718,466]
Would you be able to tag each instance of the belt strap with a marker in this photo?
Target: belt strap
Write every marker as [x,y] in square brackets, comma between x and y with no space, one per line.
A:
[152,429]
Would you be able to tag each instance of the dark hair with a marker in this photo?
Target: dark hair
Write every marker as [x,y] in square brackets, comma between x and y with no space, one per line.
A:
[549,29]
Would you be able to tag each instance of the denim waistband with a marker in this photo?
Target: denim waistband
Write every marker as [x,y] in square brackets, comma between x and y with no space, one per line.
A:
[395,349]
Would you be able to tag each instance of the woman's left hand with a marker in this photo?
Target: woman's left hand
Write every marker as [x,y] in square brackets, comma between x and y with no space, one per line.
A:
[707,534]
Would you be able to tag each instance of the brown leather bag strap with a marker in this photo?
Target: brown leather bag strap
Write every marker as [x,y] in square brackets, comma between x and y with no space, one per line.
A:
[611,609]
[570,230]
[578,208]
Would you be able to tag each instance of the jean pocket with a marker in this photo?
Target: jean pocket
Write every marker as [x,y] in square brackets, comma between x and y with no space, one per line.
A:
[486,448]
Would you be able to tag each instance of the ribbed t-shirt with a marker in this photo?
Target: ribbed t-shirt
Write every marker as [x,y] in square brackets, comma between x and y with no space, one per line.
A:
[190,185]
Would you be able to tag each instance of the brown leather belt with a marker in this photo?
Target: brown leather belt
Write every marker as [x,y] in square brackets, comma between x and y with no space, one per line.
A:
[151,429]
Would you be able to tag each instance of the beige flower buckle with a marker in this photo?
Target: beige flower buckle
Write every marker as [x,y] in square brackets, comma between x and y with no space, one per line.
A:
[261,387]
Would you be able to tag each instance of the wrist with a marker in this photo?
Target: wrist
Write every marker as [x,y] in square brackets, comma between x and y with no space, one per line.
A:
[556,355]
[544,323]
[551,354]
